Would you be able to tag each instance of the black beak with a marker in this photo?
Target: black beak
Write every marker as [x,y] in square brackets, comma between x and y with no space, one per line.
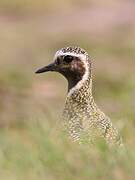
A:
[50,67]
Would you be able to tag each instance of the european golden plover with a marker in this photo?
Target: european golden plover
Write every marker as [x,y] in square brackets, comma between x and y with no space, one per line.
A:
[81,115]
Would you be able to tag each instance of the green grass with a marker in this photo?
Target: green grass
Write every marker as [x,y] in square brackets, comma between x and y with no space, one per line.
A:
[32,152]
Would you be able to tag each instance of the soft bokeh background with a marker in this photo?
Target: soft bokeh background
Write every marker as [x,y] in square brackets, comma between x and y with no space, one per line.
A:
[30,105]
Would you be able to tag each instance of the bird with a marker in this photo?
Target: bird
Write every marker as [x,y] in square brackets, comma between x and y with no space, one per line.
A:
[81,116]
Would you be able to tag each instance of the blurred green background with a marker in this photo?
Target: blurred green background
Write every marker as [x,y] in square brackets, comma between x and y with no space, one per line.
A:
[31,146]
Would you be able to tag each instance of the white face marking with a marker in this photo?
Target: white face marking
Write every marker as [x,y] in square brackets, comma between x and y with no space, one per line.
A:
[82,57]
[61,53]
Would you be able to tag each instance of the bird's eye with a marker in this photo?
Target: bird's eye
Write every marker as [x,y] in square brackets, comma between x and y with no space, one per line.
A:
[68,58]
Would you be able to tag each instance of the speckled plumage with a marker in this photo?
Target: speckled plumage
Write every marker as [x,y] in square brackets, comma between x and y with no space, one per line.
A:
[81,116]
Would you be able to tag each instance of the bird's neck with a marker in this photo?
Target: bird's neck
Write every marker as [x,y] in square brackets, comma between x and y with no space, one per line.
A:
[81,92]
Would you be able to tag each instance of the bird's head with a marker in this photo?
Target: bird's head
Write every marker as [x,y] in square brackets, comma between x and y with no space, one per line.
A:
[72,62]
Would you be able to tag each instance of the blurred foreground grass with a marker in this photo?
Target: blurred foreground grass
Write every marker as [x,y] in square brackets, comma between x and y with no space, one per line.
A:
[32,145]
[35,151]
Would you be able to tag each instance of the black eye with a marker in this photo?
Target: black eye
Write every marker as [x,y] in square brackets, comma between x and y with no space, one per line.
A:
[68,58]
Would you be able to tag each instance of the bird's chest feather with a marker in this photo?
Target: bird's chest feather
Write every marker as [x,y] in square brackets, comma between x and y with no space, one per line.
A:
[78,119]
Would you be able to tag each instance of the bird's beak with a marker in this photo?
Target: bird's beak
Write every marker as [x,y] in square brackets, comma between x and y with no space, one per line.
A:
[50,67]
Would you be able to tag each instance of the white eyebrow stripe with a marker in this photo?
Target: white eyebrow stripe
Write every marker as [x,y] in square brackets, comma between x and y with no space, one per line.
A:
[60,53]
